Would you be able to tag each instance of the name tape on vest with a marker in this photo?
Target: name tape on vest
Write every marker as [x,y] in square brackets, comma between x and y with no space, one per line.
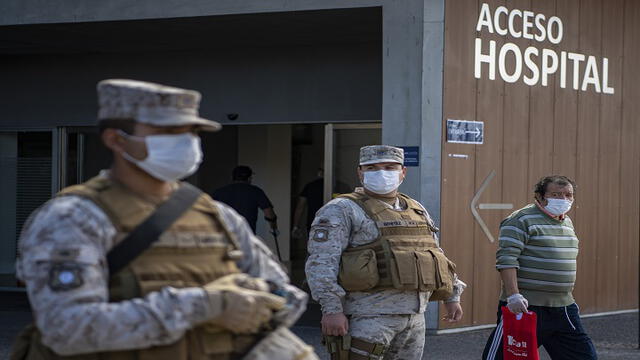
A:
[397,223]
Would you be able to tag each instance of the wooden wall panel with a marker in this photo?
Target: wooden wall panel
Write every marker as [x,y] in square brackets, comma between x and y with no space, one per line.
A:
[535,131]
[489,109]
[541,118]
[515,184]
[630,161]
[585,214]
[608,205]
[458,173]
[565,107]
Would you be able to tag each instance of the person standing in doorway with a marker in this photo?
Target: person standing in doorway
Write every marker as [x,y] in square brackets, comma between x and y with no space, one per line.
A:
[372,265]
[246,198]
[536,258]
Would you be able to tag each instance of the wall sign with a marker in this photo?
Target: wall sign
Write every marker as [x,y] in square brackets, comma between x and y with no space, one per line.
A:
[533,65]
[411,155]
[465,131]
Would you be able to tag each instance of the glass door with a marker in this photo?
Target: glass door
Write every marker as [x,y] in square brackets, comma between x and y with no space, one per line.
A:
[34,166]
[26,182]
[83,155]
[342,151]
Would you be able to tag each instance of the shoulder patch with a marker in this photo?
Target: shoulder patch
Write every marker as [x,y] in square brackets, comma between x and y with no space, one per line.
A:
[65,276]
[320,235]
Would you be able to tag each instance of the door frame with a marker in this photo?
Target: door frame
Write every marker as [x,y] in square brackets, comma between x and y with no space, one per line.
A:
[329,133]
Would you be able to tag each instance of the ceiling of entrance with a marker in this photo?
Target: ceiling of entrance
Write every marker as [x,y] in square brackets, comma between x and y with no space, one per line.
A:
[303,28]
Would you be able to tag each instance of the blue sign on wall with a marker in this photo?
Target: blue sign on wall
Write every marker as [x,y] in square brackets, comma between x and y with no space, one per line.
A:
[465,132]
[411,155]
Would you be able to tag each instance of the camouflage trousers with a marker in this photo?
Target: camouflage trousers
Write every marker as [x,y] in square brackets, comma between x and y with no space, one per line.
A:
[403,334]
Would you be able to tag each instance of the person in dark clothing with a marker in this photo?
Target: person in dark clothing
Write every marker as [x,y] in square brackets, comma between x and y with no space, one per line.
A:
[311,196]
[246,198]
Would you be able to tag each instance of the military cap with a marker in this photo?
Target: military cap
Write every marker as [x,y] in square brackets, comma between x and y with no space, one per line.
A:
[150,103]
[373,154]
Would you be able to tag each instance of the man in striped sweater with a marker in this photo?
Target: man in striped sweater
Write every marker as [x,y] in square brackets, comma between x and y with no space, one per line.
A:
[536,258]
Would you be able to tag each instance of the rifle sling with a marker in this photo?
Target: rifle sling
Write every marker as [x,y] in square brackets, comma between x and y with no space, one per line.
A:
[151,228]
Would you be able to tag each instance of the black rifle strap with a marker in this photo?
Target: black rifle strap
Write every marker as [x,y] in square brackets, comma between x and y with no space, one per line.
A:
[151,228]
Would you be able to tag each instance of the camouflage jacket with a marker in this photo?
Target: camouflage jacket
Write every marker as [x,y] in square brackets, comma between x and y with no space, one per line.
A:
[339,224]
[80,319]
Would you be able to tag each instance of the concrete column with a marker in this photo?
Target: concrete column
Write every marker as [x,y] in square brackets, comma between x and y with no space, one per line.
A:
[413,53]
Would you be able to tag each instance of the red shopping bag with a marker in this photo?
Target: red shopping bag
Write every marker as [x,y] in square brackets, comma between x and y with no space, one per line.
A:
[519,335]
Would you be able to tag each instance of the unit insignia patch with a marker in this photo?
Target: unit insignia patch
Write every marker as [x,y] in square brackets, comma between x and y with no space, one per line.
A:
[320,235]
[65,276]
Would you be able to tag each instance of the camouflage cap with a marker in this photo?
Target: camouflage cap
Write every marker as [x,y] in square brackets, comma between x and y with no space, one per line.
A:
[373,154]
[150,103]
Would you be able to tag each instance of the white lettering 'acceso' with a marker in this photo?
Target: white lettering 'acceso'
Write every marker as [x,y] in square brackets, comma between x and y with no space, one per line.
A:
[169,157]
[553,30]
[558,207]
[381,181]
[538,64]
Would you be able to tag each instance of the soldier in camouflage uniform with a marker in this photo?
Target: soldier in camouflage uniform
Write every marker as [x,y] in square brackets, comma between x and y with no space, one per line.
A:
[199,292]
[382,322]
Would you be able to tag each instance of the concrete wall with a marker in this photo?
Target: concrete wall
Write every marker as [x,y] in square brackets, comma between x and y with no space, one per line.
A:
[41,11]
[220,157]
[317,84]
[267,150]
[412,91]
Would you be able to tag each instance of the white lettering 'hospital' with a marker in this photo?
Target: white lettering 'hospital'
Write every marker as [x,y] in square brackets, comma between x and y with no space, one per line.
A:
[534,66]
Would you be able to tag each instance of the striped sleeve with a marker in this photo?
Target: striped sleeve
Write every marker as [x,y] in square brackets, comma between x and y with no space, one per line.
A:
[511,242]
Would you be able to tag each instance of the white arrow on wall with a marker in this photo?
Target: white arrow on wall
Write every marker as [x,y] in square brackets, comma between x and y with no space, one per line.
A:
[476,131]
[474,205]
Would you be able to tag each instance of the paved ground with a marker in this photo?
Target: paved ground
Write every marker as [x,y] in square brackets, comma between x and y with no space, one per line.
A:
[615,336]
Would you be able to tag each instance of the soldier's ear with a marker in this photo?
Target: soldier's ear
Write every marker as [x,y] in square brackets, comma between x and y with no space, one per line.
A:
[112,139]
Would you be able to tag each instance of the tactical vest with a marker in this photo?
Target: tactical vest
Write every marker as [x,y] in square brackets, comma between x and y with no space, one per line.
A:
[405,256]
[197,249]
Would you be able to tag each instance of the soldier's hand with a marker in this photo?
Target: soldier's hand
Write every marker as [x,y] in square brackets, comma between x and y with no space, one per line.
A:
[454,312]
[241,280]
[334,324]
[241,310]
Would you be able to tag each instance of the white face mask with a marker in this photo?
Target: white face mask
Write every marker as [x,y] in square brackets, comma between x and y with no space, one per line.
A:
[169,157]
[381,181]
[558,207]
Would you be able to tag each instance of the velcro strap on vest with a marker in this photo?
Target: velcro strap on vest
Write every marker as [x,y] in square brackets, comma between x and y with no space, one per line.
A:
[368,347]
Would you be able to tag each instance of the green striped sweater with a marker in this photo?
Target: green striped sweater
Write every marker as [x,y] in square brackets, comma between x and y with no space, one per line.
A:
[544,250]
